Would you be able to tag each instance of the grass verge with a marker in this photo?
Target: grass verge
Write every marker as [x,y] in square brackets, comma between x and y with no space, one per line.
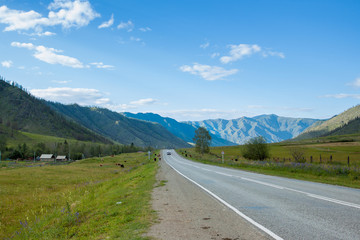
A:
[324,173]
[88,199]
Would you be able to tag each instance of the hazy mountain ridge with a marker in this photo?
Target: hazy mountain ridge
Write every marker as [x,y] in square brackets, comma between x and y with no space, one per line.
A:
[274,128]
[179,129]
[119,127]
[344,123]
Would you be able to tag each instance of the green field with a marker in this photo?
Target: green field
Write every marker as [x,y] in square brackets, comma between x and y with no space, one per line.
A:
[340,148]
[87,199]
[333,167]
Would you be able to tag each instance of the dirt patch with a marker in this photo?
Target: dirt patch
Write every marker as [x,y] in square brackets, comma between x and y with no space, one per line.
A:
[187,212]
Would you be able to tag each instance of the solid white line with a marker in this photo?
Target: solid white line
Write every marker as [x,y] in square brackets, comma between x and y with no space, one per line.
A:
[334,201]
[273,235]
[348,204]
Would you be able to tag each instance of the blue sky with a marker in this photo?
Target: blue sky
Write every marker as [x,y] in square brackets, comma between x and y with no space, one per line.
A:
[189,60]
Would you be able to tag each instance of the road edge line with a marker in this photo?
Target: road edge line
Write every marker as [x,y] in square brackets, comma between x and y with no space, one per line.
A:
[250,220]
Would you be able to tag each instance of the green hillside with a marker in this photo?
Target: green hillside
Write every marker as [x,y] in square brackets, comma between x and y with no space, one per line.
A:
[344,123]
[21,111]
[352,127]
[120,128]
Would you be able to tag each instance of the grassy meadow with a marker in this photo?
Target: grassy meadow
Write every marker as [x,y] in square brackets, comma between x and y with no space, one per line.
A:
[88,199]
[332,167]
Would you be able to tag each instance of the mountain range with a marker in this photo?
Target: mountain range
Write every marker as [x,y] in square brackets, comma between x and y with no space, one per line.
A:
[20,110]
[179,129]
[272,127]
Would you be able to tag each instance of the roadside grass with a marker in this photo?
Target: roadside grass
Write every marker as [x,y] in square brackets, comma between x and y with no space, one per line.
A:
[280,164]
[81,200]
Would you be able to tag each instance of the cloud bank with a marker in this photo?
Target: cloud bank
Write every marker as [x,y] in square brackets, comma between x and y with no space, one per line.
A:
[64,13]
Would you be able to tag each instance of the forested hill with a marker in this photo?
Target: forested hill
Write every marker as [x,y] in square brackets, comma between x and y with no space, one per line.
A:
[21,111]
[120,128]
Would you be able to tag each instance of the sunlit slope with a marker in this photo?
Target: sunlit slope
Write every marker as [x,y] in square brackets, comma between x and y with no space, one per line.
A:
[344,123]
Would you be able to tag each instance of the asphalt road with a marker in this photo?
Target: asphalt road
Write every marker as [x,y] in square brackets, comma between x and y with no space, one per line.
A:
[283,208]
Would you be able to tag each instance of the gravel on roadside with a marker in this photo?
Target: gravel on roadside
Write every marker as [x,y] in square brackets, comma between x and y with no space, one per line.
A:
[187,212]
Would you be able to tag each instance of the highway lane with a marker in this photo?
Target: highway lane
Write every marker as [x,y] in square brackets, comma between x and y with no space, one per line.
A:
[284,208]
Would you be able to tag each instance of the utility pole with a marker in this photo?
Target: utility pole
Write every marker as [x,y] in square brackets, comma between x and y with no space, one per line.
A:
[69,150]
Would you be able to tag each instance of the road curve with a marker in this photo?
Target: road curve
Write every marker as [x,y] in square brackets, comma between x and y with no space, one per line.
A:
[281,207]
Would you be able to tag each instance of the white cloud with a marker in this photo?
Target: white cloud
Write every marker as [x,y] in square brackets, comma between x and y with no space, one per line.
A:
[108,23]
[214,55]
[135,39]
[273,54]
[145,29]
[102,101]
[205,45]
[355,83]
[102,65]
[41,34]
[129,25]
[65,13]
[342,95]
[210,73]
[49,55]
[71,13]
[239,51]
[23,45]
[142,102]
[132,104]
[81,96]
[61,82]
[7,64]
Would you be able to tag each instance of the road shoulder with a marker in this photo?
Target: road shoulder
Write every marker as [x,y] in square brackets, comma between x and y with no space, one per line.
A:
[187,212]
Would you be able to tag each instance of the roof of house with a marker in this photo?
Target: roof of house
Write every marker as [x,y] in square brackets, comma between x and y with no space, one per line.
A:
[61,157]
[47,156]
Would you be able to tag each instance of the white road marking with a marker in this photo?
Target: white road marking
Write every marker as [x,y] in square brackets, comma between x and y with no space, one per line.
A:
[344,203]
[270,233]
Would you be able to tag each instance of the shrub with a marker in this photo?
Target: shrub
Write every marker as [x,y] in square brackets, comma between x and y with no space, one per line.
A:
[256,149]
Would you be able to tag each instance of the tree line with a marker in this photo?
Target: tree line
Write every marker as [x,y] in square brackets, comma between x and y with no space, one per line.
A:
[73,150]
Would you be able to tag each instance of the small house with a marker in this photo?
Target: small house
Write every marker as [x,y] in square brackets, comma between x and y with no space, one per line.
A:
[47,157]
[61,158]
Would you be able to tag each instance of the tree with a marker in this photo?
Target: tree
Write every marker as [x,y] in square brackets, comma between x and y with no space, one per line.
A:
[202,140]
[2,143]
[297,154]
[256,149]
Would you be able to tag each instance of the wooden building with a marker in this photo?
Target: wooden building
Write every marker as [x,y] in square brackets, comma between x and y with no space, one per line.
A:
[61,158]
[47,157]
